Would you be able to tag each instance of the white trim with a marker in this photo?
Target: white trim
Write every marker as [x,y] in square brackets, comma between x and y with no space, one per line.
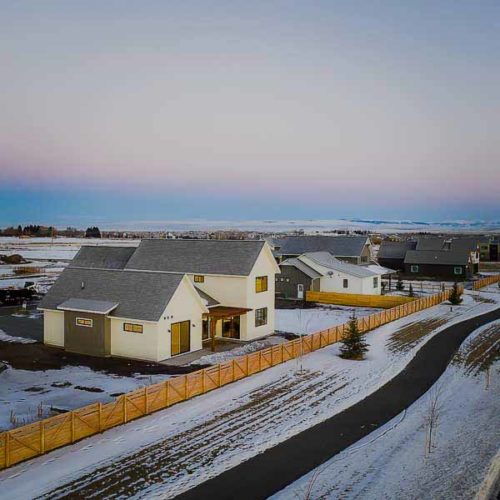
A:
[74,309]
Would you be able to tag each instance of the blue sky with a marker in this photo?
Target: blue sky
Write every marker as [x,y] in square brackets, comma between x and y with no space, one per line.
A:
[239,110]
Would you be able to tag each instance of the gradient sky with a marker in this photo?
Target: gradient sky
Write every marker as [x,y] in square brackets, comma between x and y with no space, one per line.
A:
[158,110]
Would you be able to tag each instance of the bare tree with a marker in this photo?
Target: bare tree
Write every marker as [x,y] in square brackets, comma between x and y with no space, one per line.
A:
[304,322]
[432,416]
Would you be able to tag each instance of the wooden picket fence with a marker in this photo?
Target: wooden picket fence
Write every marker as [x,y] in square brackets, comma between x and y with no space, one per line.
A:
[359,300]
[35,439]
[489,280]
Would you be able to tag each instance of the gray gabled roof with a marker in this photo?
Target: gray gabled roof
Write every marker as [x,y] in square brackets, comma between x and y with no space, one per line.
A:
[301,266]
[430,243]
[327,260]
[395,249]
[139,295]
[102,257]
[340,246]
[227,257]
[88,305]
[444,257]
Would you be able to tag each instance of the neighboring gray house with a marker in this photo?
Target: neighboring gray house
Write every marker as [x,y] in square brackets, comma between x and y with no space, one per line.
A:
[353,249]
[392,253]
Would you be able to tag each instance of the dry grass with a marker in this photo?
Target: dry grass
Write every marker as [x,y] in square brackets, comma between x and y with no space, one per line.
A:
[481,352]
[404,339]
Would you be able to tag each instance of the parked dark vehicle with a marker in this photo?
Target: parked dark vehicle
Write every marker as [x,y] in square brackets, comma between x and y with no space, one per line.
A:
[16,296]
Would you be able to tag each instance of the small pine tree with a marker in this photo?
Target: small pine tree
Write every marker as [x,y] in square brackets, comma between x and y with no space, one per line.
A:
[353,343]
[456,295]
[399,285]
[411,292]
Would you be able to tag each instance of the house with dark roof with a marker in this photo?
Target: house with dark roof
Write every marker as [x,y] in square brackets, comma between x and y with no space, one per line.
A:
[321,271]
[455,259]
[161,299]
[353,249]
[392,253]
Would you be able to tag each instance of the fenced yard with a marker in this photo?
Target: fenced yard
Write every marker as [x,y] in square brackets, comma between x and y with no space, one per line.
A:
[38,438]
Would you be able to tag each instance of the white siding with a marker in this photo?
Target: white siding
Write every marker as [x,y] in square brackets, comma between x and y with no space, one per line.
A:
[53,328]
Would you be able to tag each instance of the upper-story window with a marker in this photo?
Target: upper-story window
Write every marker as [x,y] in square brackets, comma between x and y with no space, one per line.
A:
[346,283]
[198,278]
[261,284]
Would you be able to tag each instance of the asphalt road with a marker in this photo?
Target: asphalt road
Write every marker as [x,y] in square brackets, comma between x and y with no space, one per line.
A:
[276,468]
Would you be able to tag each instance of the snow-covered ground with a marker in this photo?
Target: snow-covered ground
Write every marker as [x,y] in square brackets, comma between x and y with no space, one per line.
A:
[304,321]
[392,462]
[175,449]
[28,395]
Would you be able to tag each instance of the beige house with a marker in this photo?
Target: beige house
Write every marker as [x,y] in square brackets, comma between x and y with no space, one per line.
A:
[161,299]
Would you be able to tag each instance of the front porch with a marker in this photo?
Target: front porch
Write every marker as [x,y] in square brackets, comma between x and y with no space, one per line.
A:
[230,324]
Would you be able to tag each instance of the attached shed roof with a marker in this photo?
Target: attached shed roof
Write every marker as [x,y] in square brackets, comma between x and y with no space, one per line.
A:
[87,305]
[340,246]
[139,295]
[327,260]
[301,266]
[211,302]
[443,257]
[225,257]
[102,257]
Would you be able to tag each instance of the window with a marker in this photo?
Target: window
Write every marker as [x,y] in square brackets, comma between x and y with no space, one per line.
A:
[457,270]
[414,269]
[261,284]
[364,258]
[346,283]
[199,279]
[132,327]
[261,316]
[375,282]
[86,322]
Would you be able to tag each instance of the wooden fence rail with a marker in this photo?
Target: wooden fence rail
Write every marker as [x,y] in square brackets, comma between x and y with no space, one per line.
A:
[489,280]
[35,439]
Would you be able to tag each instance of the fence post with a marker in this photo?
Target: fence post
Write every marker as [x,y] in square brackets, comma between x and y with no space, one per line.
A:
[99,416]
[167,392]
[260,361]
[72,426]
[185,387]
[146,402]
[220,375]
[7,449]
[124,409]
[234,369]
[42,436]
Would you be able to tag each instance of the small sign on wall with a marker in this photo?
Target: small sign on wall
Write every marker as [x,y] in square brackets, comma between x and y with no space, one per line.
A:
[86,322]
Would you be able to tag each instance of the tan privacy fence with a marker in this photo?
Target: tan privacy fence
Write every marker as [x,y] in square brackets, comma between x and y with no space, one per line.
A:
[35,439]
[354,299]
[486,281]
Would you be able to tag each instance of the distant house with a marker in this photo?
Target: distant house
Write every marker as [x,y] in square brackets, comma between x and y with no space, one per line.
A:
[392,253]
[321,271]
[456,258]
[489,249]
[353,249]
[162,298]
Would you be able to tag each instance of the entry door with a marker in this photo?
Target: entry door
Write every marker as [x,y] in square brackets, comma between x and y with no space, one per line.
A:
[300,291]
[180,337]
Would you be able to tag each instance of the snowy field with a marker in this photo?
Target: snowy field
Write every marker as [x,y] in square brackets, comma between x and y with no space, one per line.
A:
[393,461]
[29,395]
[304,321]
[175,449]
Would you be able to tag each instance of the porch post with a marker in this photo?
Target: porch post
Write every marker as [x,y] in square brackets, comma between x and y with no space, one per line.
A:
[212,325]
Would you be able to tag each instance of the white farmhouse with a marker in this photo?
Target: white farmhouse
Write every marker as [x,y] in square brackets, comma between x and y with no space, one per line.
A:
[161,299]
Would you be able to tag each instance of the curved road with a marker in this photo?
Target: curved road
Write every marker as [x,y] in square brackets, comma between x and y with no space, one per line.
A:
[271,471]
